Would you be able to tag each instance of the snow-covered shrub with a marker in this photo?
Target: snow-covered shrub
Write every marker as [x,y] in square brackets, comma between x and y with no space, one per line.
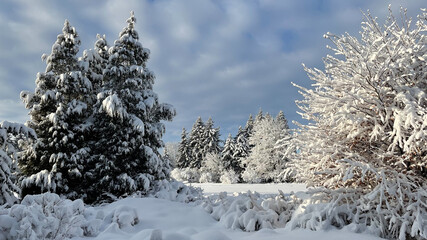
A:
[186,174]
[44,216]
[229,176]
[123,216]
[251,176]
[9,191]
[368,132]
[207,177]
[250,211]
[176,191]
[396,208]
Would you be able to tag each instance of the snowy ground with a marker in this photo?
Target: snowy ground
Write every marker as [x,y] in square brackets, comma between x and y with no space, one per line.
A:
[215,188]
[165,220]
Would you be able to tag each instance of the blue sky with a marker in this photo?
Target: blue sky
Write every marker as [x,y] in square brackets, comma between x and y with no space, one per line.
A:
[224,59]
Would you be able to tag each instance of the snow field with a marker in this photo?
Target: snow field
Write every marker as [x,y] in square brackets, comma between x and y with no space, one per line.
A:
[160,219]
[215,188]
[219,216]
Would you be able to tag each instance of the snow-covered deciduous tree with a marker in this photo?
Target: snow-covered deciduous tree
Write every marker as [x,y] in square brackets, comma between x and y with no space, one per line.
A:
[58,109]
[9,191]
[212,168]
[127,123]
[264,163]
[369,125]
[171,152]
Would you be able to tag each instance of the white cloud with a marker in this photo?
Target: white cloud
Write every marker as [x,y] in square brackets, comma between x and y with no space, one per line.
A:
[13,111]
[223,59]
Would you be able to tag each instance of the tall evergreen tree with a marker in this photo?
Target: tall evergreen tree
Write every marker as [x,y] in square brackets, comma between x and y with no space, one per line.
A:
[259,117]
[184,159]
[241,150]
[196,143]
[227,155]
[249,125]
[94,61]
[281,119]
[267,116]
[9,189]
[57,109]
[211,138]
[127,122]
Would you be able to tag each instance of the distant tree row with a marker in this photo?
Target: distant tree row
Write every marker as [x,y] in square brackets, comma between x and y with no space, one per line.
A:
[97,122]
[258,152]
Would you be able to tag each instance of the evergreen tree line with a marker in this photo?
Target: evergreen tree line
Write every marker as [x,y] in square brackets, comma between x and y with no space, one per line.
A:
[97,122]
[256,154]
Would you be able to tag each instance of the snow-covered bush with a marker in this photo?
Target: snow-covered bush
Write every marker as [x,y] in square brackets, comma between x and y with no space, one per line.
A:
[186,174]
[250,211]
[394,211]
[123,216]
[9,191]
[176,191]
[229,176]
[251,176]
[45,216]
[368,136]
[207,177]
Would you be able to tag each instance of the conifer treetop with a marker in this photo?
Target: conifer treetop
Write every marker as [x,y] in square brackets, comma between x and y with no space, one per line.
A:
[64,51]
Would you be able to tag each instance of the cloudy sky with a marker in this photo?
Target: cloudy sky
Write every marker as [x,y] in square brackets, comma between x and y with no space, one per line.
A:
[225,59]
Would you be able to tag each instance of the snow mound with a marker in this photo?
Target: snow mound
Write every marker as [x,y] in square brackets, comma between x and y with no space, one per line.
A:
[176,191]
[124,216]
[250,211]
[44,216]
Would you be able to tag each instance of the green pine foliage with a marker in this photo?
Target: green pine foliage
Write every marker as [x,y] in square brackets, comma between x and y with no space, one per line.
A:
[57,109]
[127,123]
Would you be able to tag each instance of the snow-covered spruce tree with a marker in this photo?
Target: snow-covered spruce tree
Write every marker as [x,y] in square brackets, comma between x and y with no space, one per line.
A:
[94,61]
[196,143]
[368,135]
[127,123]
[281,119]
[241,149]
[259,117]
[58,109]
[184,150]
[263,163]
[8,155]
[228,161]
[211,138]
